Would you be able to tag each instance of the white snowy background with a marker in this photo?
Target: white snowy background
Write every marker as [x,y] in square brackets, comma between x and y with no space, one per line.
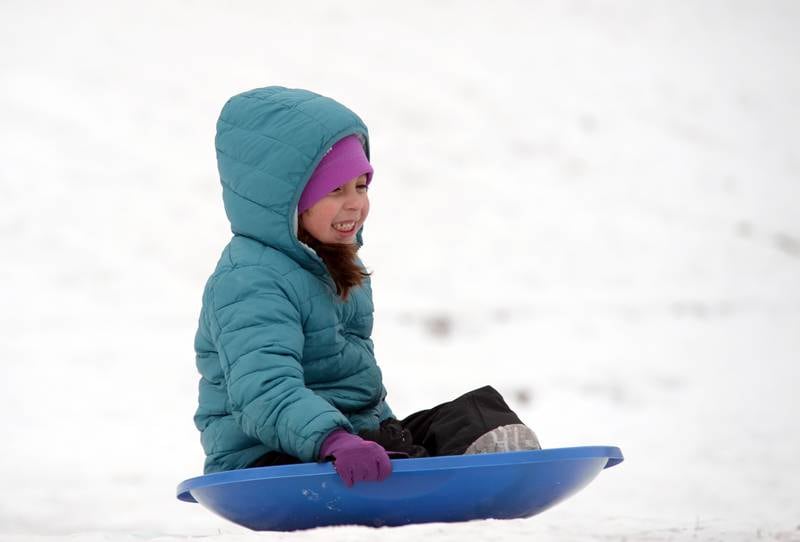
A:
[593,206]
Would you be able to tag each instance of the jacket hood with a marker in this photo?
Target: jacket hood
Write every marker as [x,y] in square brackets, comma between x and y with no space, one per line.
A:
[269,141]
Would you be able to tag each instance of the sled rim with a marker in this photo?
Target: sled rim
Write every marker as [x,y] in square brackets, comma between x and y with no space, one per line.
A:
[442,463]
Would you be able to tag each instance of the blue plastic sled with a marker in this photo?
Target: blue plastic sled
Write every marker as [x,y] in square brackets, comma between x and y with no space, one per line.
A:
[432,489]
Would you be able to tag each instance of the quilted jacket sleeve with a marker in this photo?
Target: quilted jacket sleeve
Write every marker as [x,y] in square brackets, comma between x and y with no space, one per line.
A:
[260,344]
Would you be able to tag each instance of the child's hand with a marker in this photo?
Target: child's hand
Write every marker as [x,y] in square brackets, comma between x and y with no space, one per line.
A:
[356,459]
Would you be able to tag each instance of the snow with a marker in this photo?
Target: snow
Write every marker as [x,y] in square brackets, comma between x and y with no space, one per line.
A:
[591,205]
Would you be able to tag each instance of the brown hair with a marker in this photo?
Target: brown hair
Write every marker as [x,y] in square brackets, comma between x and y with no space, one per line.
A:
[340,259]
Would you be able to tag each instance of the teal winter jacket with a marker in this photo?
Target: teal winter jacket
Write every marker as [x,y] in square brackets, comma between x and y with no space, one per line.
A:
[283,360]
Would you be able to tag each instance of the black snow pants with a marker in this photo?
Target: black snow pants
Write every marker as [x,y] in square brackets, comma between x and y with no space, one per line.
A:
[446,429]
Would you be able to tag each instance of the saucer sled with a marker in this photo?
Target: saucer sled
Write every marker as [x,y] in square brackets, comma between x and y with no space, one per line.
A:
[431,489]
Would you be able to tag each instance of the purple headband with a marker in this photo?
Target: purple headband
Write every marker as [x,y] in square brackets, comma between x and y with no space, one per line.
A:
[344,161]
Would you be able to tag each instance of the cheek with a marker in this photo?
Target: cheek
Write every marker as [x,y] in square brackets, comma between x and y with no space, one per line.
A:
[311,222]
[321,214]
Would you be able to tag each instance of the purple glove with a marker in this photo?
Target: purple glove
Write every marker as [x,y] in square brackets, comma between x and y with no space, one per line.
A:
[356,459]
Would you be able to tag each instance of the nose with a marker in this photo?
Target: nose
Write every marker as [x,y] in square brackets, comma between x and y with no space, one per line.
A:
[354,201]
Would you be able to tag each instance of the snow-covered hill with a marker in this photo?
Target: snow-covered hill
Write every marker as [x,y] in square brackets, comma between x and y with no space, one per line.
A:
[591,205]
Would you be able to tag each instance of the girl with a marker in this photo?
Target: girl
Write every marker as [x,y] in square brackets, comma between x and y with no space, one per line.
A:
[283,345]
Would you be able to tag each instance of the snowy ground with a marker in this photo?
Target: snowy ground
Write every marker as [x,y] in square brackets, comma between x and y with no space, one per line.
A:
[591,205]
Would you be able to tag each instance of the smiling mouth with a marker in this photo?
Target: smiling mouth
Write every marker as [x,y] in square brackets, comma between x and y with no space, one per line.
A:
[345,227]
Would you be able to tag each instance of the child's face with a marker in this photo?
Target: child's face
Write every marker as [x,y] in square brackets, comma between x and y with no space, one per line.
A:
[338,216]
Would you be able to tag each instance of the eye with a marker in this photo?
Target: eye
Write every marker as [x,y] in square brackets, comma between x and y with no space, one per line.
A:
[363,187]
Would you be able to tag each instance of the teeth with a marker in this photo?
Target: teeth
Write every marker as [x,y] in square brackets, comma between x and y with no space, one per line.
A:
[346,226]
